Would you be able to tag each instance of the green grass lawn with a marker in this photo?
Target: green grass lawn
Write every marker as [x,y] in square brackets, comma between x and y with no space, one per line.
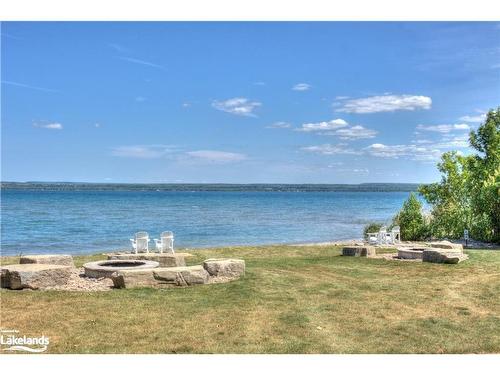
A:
[291,300]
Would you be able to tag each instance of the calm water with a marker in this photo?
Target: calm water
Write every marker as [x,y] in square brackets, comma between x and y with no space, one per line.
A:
[90,221]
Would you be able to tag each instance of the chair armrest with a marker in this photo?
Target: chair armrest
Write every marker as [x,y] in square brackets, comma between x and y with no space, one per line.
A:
[132,240]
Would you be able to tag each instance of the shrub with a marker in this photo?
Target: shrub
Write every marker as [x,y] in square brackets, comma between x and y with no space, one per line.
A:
[372,228]
[411,220]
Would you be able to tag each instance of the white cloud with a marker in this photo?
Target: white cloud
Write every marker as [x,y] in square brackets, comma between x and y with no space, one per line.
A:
[355,132]
[237,106]
[445,128]
[142,151]
[386,103]
[421,153]
[341,97]
[26,86]
[477,118]
[140,99]
[216,156]
[52,126]
[301,87]
[323,126]
[280,125]
[97,125]
[141,62]
[339,128]
[461,141]
[329,149]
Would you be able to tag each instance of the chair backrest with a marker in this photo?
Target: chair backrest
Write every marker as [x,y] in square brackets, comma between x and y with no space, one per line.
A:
[167,235]
[141,235]
[142,243]
[383,229]
[396,229]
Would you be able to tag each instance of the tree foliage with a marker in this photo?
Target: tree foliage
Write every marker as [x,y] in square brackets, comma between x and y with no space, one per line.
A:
[468,196]
[411,220]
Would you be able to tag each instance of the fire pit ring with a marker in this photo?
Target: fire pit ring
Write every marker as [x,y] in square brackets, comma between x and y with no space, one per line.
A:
[105,268]
[411,252]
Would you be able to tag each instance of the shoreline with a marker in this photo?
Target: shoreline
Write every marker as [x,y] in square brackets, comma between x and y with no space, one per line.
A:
[472,245]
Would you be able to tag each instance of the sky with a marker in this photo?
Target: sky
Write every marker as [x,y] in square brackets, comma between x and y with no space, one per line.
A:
[242,102]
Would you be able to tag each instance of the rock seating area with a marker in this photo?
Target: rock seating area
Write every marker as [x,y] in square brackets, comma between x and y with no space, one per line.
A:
[209,272]
[446,245]
[34,275]
[358,251]
[434,255]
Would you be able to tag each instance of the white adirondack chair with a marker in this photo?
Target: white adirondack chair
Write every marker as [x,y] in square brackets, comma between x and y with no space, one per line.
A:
[382,235]
[165,243]
[372,238]
[396,234]
[141,242]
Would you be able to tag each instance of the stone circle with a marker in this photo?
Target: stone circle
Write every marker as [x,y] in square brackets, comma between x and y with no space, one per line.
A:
[105,268]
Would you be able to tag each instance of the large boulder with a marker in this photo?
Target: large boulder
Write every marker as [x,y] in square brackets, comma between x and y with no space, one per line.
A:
[164,259]
[358,251]
[182,276]
[160,277]
[133,278]
[446,245]
[60,259]
[443,256]
[225,267]
[34,275]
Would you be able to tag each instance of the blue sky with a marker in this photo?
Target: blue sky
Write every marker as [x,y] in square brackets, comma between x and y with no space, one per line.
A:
[333,102]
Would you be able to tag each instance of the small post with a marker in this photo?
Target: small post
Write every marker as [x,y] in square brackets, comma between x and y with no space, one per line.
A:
[466,236]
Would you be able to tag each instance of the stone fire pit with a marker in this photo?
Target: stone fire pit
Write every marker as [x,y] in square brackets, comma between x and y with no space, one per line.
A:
[105,268]
[411,252]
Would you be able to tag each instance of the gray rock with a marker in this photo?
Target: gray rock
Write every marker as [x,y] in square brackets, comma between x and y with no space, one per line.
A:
[443,256]
[446,245]
[358,251]
[60,259]
[410,253]
[160,277]
[182,276]
[225,267]
[133,278]
[34,275]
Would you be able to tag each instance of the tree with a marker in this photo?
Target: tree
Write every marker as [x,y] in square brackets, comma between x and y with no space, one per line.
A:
[485,177]
[450,198]
[468,196]
[411,220]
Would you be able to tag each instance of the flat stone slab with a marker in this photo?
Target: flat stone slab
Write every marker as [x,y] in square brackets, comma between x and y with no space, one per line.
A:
[164,259]
[34,275]
[410,253]
[358,251]
[60,259]
[225,267]
[182,276]
[443,256]
[446,245]
[161,277]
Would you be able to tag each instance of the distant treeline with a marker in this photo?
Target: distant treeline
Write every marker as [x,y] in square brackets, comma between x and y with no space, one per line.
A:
[74,186]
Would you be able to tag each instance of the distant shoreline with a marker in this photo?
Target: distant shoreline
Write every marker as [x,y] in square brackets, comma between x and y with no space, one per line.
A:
[74,186]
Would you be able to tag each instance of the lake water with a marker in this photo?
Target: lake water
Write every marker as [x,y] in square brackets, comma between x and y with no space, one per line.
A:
[91,221]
